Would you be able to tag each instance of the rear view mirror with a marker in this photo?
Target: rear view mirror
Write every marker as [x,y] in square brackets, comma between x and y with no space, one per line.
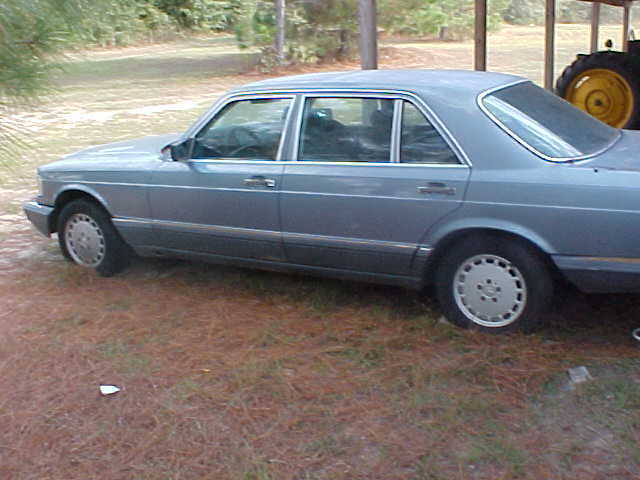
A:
[178,151]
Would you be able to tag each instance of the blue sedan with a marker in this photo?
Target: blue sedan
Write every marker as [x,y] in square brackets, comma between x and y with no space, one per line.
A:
[483,184]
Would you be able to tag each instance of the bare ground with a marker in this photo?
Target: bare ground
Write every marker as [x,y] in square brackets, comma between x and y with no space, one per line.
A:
[232,374]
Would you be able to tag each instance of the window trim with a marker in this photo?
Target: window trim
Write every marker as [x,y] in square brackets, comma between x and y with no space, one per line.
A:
[393,141]
[480,101]
[291,133]
[396,130]
[398,97]
[221,105]
[444,139]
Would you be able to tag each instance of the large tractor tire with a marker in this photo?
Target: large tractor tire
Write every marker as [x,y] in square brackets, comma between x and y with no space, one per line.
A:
[606,85]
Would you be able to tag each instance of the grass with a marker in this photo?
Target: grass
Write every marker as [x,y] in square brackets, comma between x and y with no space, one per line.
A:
[234,374]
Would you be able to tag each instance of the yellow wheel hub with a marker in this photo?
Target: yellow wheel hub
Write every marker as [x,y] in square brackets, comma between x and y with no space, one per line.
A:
[604,94]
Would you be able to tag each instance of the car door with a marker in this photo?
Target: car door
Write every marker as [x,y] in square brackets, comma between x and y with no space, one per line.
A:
[371,175]
[223,199]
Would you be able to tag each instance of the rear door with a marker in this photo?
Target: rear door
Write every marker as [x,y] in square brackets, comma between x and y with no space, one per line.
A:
[371,174]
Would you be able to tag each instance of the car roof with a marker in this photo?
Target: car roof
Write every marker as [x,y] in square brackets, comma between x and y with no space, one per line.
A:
[427,83]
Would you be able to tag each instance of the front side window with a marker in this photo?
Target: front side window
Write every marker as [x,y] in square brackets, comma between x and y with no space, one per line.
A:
[346,129]
[548,124]
[420,142]
[247,129]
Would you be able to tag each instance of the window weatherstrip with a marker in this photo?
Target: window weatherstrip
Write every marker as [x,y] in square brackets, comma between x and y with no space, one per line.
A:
[304,93]
[285,127]
[338,94]
[219,106]
[298,127]
[521,141]
[317,162]
[396,130]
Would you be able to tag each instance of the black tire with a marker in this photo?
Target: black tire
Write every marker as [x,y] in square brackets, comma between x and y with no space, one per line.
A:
[494,285]
[88,238]
[621,64]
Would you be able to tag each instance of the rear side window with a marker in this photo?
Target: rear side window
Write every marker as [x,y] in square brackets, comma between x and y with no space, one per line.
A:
[548,124]
[346,129]
[420,142]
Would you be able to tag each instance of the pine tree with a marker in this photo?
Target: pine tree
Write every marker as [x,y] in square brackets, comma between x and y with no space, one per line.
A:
[32,32]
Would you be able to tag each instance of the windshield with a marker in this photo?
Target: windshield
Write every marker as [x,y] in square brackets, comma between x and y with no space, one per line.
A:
[547,124]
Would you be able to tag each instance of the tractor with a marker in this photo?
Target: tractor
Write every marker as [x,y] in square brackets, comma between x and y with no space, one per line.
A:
[606,84]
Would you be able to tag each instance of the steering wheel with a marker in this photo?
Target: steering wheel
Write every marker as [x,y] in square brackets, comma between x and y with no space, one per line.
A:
[205,150]
[248,150]
[246,140]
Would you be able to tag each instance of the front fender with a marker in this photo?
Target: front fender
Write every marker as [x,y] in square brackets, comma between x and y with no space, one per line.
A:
[64,191]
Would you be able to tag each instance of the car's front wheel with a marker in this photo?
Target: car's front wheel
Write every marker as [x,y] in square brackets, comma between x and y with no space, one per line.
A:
[88,238]
[494,285]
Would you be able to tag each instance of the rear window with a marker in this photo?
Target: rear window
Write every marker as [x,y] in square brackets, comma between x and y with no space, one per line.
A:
[547,124]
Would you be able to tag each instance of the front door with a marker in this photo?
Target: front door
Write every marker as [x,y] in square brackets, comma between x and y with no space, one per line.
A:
[224,200]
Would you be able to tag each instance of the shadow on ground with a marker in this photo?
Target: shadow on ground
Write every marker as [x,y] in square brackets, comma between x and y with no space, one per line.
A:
[575,317]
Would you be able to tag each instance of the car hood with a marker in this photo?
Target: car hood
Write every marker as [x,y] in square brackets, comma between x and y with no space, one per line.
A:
[140,147]
[623,155]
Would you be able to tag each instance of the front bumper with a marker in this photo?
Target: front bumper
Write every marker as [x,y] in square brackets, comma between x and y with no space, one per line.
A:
[40,216]
[601,274]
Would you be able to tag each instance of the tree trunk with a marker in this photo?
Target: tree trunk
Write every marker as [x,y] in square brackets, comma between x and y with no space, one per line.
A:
[280,30]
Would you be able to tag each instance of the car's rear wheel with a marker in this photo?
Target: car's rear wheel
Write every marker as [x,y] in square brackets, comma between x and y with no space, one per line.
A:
[88,238]
[494,285]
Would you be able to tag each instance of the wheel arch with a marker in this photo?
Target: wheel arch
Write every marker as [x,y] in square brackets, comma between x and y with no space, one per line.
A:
[69,194]
[447,241]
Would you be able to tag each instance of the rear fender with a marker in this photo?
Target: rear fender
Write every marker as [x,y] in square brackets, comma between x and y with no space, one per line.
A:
[435,235]
[437,239]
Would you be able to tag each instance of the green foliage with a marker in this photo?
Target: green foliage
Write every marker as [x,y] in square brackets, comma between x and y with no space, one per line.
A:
[320,30]
[121,22]
[217,15]
[315,30]
[531,12]
[570,11]
[428,17]
[525,12]
[31,33]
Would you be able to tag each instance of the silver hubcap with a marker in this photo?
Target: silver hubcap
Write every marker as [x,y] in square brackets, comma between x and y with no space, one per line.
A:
[84,240]
[490,290]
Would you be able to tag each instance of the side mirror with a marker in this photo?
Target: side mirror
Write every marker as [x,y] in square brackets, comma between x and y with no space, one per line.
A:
[178,151]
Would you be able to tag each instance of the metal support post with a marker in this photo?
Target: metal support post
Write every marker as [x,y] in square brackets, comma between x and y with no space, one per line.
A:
[480,52]
[549,45]
[626,19]
[595,25]
[368,34]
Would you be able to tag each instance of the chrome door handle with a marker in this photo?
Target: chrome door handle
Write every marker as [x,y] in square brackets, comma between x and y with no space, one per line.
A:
[437,188]
[260,181]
